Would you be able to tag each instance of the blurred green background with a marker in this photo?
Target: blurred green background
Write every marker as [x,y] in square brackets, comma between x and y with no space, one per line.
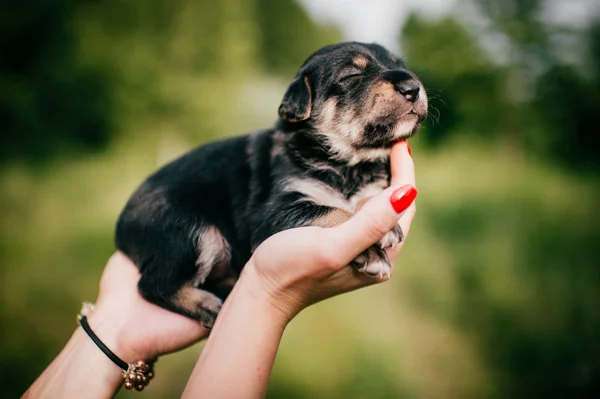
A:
[497,292]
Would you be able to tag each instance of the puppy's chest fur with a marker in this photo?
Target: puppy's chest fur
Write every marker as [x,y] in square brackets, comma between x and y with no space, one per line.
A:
[338,186]
[311,172]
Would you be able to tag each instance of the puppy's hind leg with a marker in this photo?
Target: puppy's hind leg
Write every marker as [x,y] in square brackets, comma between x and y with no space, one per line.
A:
[213,261]
[186,300]
[184,294]
[198,304]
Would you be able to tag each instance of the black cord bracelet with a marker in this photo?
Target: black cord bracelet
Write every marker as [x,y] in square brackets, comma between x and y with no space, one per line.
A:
[136,375]
[115,359]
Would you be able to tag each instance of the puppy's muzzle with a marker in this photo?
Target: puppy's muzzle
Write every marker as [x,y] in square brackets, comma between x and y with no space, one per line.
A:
[409,89]
[404,83]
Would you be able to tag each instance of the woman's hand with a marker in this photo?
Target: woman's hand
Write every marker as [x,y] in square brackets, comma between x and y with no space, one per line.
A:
[295,268]
[288,272]
[298,267]
[131,327]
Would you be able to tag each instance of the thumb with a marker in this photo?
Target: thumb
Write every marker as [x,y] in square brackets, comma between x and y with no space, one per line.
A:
[375,219]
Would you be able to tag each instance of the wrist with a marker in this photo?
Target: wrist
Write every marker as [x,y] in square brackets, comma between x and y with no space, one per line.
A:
[136,374]
[112,328]
[280,305]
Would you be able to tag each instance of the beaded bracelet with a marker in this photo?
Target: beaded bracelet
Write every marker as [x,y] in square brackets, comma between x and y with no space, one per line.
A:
[136,375]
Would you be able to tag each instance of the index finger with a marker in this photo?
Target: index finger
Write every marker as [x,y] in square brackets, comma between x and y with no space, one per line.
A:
[402,165]
[403,172]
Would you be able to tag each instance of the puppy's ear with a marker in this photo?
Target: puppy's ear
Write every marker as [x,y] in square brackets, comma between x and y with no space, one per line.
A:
[297,102]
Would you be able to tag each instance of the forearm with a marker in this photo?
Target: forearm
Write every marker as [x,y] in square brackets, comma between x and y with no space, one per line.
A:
[132,328]
[238,357]
[81,370]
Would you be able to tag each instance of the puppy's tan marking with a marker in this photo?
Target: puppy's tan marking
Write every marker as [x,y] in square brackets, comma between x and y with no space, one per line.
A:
[333,218]
[214,255]
[309,107]
[318,193]
[297,99]
[306,115]
[198,303]
[360,61]
[324,195]
[341,129]
[383,99]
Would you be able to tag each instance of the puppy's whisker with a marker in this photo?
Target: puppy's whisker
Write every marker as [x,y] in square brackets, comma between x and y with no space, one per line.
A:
[435,114]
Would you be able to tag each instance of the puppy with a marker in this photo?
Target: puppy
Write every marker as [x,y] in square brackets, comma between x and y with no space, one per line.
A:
[192,225]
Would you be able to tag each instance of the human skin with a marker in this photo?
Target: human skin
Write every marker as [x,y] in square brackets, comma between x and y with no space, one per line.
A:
[287,273]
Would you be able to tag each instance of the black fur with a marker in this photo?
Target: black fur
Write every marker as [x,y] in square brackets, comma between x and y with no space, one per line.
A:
[239,185]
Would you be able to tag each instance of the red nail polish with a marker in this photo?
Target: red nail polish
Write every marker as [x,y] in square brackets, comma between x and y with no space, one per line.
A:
[408,148]
[403,197]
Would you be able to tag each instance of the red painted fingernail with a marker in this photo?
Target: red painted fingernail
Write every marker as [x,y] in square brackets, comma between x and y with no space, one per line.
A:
[408,148]
[403,197]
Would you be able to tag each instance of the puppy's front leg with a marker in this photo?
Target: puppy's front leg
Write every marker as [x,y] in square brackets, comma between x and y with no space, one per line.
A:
[373,261]
[393,238]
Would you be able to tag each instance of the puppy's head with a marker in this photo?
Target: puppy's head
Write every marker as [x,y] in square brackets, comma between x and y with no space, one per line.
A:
[359,98]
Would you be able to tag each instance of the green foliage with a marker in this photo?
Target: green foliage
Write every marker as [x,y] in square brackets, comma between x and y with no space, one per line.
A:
[49,101]
[447,50]
[459,79]
[73,72]
[495,293]
[287,35]
[530,305]
[518,19]
[568,102]
[536,103]
[563,100]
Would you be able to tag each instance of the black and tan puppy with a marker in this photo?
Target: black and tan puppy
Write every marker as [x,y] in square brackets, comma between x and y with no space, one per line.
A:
[192,225]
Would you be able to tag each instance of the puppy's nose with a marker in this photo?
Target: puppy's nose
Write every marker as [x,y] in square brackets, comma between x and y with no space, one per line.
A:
[409,89]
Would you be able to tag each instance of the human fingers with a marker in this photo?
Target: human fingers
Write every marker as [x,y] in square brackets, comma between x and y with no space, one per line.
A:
[402,165]
[375,219]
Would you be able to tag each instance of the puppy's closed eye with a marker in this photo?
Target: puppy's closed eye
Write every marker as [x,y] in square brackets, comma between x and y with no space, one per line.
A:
[350,76]
[350,73]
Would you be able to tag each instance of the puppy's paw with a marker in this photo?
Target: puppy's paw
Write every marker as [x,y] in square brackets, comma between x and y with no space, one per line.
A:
[207,313]
[393,238]
[207,318]
[373,262]
[198,304]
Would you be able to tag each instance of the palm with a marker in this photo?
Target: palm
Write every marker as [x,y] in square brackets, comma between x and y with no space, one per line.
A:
[307,259]
[157,330]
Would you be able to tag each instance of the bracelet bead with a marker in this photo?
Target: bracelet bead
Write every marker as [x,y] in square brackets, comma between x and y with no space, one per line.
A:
[136,375]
